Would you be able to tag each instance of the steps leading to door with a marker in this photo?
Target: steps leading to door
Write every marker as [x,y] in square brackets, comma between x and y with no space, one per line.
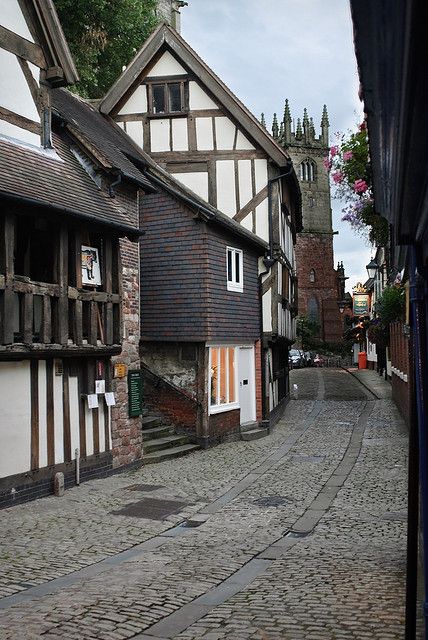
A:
[161,442]
[253,431]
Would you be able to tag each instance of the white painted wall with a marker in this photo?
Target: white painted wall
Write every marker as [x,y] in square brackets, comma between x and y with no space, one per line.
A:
[261,175]
[167,65]
[262,220]
[198,99]
[242,143]
[197,182]
[15,418]
[137,102]
[134,129]
[58,418]
[225,133]
[247,222]
[245,184]
[15,93]
[89,431]
[159,135]
[180,140]
[267,310]
[43,420]
[226,195]
[204,134]
[13,19]
[74,414]
[7,129]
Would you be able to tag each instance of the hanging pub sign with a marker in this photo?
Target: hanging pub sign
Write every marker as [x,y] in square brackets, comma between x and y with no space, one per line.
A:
[91,272]
[361,300]
[135,393]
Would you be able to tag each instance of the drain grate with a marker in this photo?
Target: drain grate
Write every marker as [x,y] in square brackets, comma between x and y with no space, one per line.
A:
[144,487]
[151,508]
[272,501]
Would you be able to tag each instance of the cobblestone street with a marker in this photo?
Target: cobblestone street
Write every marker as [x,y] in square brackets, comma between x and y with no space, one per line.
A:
[299,535]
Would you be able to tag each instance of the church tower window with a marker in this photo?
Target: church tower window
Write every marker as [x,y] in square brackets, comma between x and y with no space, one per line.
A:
[312,275]
[307,171]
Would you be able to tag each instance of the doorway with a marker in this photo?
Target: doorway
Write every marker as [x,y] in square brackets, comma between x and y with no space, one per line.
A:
[246,377]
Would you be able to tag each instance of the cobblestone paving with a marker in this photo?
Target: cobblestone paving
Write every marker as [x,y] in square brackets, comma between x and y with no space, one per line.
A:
[344,580]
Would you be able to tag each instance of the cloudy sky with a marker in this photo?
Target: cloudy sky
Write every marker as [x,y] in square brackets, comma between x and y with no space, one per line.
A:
[269,50]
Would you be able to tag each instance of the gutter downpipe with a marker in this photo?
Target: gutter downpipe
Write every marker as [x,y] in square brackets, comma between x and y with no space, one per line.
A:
[417,283]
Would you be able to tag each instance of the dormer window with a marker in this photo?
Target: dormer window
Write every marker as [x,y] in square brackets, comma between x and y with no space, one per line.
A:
[167,97]
[307,171]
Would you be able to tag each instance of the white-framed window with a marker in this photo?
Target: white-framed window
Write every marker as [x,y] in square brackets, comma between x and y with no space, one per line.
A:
[235,269]
[223,382]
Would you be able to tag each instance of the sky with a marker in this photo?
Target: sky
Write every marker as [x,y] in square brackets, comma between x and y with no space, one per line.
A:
[269,50]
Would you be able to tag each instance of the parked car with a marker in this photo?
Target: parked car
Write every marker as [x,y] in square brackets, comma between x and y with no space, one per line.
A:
[296,359]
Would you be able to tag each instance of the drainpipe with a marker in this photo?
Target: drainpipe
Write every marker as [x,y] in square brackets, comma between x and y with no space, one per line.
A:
[417,286]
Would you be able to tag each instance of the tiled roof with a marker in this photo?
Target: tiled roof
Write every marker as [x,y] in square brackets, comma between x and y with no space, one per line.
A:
[56,179]
[81,115]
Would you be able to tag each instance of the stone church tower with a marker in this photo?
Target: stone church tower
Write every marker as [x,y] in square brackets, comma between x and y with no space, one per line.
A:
[169,12]
[320,286]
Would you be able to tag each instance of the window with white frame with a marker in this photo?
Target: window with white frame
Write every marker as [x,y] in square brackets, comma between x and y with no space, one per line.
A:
[223,392]
[235,269]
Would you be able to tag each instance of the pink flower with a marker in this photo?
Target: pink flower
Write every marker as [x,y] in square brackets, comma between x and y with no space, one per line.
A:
[337,177]
[334,151]
[347,155]
[327,163]
[362,126]
[360,186]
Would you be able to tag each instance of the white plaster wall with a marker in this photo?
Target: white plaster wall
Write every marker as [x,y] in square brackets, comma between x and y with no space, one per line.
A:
[159,135]
[180,140]
[121,125]
[242,143]
[74,414]
[247,222]
[137,102]
[35,72]
[13,19]
[15,418]
[14,90]
[89,431]
[197,182]
[262,220]
[198,99]
[7,129]
[245,184]
[204,134]
[260,170]
[267,310]
[226,195]
[102,424]
[43,419]
[279,277]
[224,133]
[134,129]
[167,65]
[58,418]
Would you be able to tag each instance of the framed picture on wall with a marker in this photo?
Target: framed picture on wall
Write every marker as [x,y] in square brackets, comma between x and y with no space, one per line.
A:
[91,272]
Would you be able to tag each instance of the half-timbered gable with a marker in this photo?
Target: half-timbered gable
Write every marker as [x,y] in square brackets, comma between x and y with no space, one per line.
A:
[173,107]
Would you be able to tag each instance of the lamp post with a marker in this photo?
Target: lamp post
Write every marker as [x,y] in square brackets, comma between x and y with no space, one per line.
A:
[372,267]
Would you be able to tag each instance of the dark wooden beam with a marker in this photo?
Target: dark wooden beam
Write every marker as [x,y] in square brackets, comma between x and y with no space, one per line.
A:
[21,47]
[50,417]
[66,411]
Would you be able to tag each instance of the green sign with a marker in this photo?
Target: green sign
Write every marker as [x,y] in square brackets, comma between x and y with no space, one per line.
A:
[361,304]
[135,393]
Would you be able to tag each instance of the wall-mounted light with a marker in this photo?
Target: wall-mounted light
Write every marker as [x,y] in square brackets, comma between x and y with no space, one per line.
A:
[372,267]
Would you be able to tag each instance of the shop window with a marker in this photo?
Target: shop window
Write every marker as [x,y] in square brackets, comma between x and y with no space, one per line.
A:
[222,379]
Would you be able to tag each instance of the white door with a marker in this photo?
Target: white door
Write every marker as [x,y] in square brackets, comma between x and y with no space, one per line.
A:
[247,400]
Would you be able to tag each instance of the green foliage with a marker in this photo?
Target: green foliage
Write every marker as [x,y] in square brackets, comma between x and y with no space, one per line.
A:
[103,36]
[306,328]
[378,333]
[357,167]
[391,305]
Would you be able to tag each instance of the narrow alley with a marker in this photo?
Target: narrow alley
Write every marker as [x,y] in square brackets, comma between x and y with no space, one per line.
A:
[299,535]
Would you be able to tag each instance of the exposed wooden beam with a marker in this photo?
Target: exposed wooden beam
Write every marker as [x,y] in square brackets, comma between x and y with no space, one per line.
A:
[252,204]
[20,121]
[21,47]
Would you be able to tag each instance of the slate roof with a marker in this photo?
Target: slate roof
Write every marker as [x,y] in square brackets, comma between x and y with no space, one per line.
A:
[56,179]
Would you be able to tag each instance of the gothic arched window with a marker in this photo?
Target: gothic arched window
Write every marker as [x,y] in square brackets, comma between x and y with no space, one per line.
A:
[311,275]
[307,170]
[313,311]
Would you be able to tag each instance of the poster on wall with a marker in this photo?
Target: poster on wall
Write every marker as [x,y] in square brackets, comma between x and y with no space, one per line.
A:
[91,271]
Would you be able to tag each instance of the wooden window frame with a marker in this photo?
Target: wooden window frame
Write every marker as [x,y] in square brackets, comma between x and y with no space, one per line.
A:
[184,94]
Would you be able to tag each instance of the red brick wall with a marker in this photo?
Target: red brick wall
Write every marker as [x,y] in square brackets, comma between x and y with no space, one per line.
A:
[220,424]
[180,408]
[314,251]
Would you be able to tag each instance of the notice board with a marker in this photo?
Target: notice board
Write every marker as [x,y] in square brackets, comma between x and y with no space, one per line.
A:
[135,393]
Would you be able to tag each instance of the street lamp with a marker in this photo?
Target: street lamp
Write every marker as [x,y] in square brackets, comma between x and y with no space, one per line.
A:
[372,267]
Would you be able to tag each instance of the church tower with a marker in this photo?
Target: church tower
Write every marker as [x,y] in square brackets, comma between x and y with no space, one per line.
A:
[319,284]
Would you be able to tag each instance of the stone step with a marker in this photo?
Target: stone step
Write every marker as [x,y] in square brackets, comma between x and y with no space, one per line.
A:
[157,432]
[157,444]
[169,454]
[149,422]
[254,434]
[248,426]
